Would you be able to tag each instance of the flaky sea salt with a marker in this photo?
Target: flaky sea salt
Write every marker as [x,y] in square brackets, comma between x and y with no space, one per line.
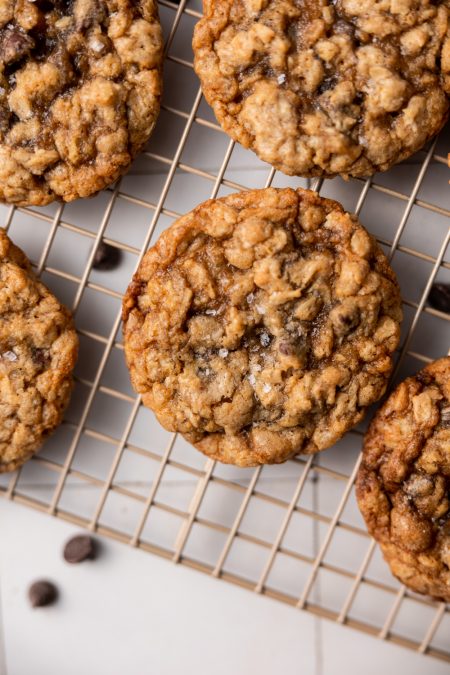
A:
[257,367]
[260,309]
[211,312]
[97,46]
[265,339]
[267,388]
[223,353]
[252,379]
[9,356]
[281,79]
[250,298]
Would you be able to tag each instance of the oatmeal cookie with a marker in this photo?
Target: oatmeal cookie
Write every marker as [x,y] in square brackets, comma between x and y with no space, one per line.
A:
[38,350]
[262,325]
[403,484]
[326,87]
[80,85]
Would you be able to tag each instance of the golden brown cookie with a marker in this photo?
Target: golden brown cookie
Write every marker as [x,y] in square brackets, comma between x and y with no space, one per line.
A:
[326,87]
[80,85]
[403,485]
[262,325]
[38,350]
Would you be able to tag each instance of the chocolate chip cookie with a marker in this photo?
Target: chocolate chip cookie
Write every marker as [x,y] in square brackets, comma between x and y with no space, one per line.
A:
[320,88]
[262,325]
[80,85]
[403,485]
[38,350]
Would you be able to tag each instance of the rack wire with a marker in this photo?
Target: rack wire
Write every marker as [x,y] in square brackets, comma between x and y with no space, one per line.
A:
[290,532]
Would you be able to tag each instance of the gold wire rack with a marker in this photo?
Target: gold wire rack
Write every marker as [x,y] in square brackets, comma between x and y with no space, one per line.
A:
[290,532]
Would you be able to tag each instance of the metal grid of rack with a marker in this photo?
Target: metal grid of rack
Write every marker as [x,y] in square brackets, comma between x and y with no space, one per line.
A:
[290,532]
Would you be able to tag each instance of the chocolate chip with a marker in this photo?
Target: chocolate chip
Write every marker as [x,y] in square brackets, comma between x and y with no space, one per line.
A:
[79,548]
[285,348]
[15,45]
[5,117]
[342,26]
[40,357]
[347,322]
[423,378]
[327,83]
[345,318]
[42,593]
[63,5]
[106,257]
[49,5]
[439,297]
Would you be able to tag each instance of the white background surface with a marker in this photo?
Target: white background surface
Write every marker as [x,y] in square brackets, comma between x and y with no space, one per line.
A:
[130,612]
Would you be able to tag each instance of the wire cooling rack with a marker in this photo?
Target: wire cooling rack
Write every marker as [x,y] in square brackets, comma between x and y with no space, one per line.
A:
[292,532]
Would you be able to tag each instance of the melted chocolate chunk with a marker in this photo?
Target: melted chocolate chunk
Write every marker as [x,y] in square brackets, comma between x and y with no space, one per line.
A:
[40,357]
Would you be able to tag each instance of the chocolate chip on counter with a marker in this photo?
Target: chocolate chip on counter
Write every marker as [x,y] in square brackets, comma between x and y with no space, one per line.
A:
[42,593]
[439,297]
[79,548]
[106,257]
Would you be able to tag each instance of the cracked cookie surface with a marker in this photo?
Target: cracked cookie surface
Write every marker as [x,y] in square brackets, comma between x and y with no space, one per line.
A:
[38,350]
[322,88]
[80,85]
[403,485]
[262,325]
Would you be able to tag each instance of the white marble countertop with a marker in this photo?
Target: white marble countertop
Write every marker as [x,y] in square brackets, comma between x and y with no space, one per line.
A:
[130,612]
